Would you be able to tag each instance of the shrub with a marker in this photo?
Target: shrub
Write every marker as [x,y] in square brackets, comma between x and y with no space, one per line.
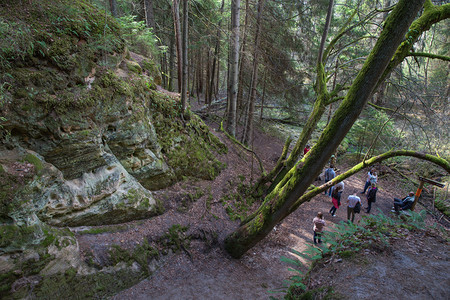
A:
[139,37]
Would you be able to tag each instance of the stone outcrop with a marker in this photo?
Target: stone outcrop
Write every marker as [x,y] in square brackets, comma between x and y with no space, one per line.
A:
[84,137]
[95,124]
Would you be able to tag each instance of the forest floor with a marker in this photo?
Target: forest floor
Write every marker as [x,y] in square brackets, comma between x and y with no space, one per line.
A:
[414,267]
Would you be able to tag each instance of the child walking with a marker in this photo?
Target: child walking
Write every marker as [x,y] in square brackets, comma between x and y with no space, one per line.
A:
[319,224]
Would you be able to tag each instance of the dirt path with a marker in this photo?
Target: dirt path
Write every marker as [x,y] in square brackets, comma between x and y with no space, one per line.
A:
[208,272]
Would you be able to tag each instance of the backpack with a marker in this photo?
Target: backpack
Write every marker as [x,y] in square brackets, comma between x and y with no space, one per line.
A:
[328,174]
[357,208]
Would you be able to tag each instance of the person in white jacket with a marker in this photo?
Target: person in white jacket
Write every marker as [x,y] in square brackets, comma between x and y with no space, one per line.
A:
[351,203]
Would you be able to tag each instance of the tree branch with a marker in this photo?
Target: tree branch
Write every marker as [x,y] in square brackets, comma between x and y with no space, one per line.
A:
[429,55]
[432,14]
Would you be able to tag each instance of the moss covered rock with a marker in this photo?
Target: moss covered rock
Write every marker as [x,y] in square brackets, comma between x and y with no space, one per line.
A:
[86,136]
[133,67]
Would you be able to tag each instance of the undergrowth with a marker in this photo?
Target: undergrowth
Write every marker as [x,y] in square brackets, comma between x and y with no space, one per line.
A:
[238,200]
[346,240]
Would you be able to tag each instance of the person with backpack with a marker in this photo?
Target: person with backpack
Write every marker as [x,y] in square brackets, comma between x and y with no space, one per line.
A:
[329,175]
[353,206]
[336,199]
[371,196]
[371,177]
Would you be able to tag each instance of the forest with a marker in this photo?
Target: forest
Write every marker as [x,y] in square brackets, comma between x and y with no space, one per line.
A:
[182,149]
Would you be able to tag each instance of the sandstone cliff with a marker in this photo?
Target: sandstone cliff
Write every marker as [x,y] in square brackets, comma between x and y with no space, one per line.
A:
[84,134]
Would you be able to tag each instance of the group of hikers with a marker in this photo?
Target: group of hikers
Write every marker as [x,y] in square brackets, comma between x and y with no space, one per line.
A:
[354,201]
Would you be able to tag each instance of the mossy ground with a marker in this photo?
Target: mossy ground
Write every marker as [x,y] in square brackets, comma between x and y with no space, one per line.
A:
[239,204]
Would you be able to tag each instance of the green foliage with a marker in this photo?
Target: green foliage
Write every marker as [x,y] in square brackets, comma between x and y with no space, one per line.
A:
[238,203]
[49,33]
[365,130]
[443,205]
[139,37]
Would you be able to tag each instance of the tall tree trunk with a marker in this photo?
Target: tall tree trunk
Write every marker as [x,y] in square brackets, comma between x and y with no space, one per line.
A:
[193,73]
[234,60]
[277,205]
[184,54]
[215,59]
[208,75]
[325,32]
[243,57]
[171,64]
[334,86]
[164,69]
[217,54]
[149,14]
[379,95]
[249,128]
[199,75]
[113,7]
[263,97]
[177,29]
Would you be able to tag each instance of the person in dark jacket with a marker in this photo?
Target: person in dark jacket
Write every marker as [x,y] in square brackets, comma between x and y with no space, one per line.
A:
[371,196]
[403,204]
[329,175]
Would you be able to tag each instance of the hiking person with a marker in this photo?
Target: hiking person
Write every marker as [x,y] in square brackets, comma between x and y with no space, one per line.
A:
[329,175]
[371,196]
[403,204]
[336,199]
[371,177]
[307,148]
[340,184]
[352,202]
[319,224]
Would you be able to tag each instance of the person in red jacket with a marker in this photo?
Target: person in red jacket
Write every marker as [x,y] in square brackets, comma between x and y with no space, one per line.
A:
[336,199]
[307,148]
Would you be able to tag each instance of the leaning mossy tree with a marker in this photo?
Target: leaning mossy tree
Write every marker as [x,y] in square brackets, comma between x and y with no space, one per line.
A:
[285,197]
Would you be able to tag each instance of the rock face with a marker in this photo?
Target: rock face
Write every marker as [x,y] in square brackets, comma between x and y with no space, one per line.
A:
[84,135]
[91,128]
